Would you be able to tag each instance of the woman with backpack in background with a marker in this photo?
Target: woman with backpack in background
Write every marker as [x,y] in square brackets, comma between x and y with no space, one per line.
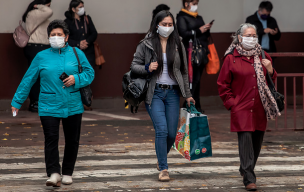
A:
[161,55]
[36,19]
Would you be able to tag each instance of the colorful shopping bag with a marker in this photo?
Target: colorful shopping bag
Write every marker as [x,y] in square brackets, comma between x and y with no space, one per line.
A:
[193,140]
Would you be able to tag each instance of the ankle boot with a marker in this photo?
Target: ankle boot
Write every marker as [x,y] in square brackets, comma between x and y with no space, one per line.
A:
[54,180]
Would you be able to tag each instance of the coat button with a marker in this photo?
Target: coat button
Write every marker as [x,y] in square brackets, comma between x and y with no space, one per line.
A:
[253,99]
[63,87]
[81,26]
[253,75]
[254,87]
[251,111]
[83,34]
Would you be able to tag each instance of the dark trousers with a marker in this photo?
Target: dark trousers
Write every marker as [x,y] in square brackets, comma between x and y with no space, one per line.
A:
[250,144]
[71,129]
[30,52]
[196,85]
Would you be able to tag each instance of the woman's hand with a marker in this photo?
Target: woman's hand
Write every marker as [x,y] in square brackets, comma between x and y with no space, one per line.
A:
[205,28]
[268,66]
[189,100]
[15,109]
[69,81]
[153,66]
[84,44]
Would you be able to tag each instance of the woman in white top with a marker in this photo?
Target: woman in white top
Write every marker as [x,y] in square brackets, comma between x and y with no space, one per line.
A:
[36,18]
[168,80]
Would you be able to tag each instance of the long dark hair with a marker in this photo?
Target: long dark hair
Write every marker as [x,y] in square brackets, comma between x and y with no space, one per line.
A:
[31,7]
[74,4]
[173,41]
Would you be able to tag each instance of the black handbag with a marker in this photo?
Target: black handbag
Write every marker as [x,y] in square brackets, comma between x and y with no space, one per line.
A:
[280,99]
[86,92]
[199,53]
[135,88]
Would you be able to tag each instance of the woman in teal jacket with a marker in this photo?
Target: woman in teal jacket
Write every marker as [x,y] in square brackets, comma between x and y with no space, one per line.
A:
[58,99]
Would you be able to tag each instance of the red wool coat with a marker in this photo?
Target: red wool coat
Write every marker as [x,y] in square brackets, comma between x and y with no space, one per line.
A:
[237,86]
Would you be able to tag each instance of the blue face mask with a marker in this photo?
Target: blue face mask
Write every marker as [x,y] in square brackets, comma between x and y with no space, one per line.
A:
[265,17]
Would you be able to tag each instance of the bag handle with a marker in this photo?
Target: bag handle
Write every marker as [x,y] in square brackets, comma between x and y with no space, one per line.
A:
[268,78]
[79,65]
[192,109]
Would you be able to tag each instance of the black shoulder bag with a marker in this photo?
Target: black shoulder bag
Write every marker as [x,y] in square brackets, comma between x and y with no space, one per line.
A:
[280,99]
[135,88]
[86,92]
[199,53]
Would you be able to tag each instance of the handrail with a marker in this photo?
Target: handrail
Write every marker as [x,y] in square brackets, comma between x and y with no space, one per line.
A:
[287,54]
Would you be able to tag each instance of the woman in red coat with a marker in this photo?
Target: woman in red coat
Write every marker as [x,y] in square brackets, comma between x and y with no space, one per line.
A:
[243,88]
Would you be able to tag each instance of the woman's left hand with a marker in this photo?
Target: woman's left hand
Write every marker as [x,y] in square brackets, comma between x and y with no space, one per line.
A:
[69,81]
[189,100]
[268,65]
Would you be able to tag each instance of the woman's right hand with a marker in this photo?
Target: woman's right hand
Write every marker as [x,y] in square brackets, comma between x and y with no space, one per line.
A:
[153,66]
[15,109]
[205,28]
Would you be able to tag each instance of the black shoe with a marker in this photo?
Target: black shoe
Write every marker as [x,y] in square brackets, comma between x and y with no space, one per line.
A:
[34,107]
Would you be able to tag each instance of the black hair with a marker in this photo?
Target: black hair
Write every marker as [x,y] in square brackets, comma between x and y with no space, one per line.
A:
[31,7]
[74,4]
[159,8]
[187,1]
[266,5]
[58,24]
[173,41]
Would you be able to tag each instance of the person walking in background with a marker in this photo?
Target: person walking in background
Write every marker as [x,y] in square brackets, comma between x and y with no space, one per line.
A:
[59,99]
[189,23]
[267,27]
[243,88]
[36,19]
[159,8]
[83,33]
[162,56]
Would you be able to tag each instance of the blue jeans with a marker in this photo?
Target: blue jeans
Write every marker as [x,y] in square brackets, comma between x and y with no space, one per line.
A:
[164,113]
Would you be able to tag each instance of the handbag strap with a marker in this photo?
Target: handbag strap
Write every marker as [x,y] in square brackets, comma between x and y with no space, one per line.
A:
[33,31]
[79,65]
[195,40]
[268,78]
[192,109]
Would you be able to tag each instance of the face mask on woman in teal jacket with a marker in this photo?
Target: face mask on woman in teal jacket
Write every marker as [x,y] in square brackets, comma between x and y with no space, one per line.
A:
[57,98]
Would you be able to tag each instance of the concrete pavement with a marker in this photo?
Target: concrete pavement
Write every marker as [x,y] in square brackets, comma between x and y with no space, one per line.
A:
[117,154]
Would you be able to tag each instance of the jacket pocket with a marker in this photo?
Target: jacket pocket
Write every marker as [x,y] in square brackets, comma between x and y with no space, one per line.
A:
[75,102]
[48,102]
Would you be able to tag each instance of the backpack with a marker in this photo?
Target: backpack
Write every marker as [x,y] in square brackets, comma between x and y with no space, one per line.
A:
[134,90]
[20,35]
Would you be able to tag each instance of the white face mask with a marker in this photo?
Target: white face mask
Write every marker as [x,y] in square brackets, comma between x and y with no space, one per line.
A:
[165,31]
[249,42]
[193,8]
[80,11]
[57,42]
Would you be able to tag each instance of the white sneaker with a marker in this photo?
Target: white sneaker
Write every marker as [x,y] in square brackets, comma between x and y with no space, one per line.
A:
[67,180]
[54,180]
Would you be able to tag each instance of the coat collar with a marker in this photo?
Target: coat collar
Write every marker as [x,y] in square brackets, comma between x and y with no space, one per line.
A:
[236,53]
[62,50]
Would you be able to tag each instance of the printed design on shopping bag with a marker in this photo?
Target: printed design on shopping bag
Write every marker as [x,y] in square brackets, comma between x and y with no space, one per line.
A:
[204,150]
[197,152]
[182,141]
